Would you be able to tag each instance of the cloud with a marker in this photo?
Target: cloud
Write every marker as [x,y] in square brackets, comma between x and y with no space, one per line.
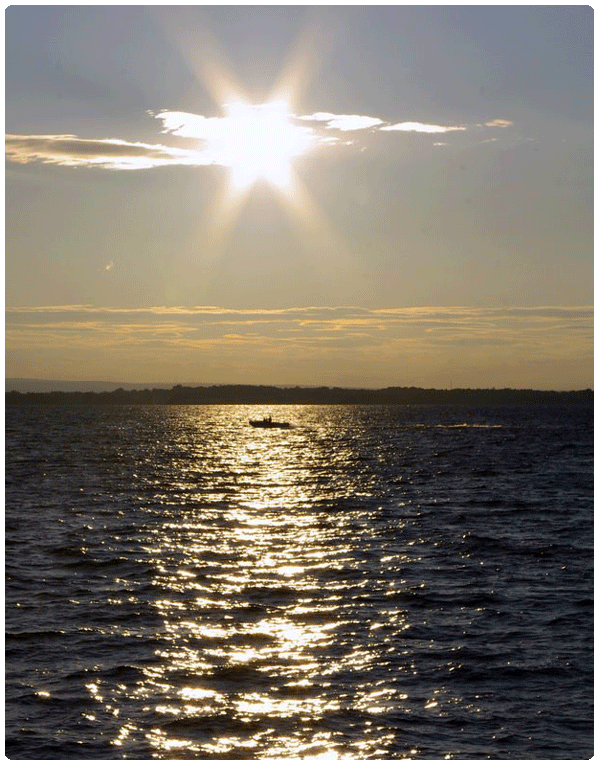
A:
[110,153]
[218,140]
[499,123]
[420,127]
[188,125]
[343,122]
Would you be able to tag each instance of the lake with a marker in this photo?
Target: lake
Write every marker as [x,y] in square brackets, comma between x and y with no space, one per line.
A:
[377,582]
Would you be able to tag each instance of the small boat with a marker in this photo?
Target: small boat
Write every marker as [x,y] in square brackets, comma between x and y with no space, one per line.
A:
[268,422]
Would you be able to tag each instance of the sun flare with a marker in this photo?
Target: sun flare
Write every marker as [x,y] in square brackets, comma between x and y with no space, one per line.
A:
[259,143]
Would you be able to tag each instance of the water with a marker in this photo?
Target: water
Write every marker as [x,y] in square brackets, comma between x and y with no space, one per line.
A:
[377,582]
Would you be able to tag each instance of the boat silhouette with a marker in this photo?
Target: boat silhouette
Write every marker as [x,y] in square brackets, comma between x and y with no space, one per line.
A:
[269,422]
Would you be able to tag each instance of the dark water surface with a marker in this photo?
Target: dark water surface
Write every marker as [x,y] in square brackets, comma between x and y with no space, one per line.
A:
[377,582]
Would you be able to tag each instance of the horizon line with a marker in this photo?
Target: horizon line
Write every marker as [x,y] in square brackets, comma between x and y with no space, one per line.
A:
[140,386]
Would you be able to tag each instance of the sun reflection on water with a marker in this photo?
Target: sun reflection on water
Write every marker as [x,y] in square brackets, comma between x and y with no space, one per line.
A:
[263,589]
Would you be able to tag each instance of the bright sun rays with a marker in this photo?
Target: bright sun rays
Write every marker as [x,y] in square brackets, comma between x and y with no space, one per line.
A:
[258,142]
[257,139]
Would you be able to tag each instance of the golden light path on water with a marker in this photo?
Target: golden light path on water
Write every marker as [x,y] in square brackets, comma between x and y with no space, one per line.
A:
[279,637]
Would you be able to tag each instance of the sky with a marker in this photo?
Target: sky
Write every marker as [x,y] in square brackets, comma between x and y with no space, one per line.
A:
[361,196]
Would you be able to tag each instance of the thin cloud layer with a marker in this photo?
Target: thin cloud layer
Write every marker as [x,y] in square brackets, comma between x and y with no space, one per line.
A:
[516,325]
[312,345]
[329,313]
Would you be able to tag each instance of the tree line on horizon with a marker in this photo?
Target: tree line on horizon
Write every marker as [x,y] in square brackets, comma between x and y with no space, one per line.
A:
[270,395]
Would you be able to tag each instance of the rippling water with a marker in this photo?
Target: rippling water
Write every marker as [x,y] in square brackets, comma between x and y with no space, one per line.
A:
[377,582]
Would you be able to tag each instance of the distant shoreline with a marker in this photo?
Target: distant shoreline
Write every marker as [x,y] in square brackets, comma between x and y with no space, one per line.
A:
[274,396]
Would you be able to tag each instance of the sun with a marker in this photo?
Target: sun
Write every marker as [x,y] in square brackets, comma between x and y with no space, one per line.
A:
[258,142]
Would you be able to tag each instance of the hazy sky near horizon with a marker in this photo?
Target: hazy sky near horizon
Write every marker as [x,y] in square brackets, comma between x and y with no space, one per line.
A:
[413,207]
